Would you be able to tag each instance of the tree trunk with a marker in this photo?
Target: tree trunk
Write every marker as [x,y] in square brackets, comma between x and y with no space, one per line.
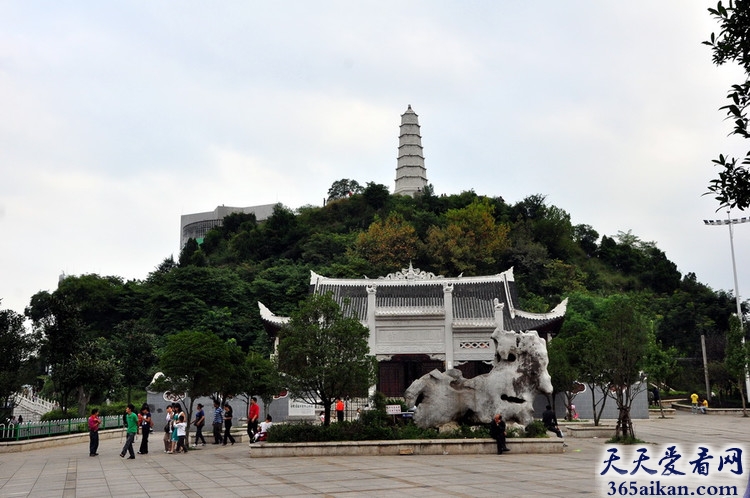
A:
[327,412]
[742,395]
[593,405]
[83,400]
[624,424]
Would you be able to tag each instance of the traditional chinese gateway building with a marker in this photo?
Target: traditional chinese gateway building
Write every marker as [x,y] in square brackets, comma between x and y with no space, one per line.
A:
[419,321]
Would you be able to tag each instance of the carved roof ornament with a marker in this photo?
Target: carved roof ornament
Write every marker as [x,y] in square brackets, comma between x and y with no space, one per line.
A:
[411,273]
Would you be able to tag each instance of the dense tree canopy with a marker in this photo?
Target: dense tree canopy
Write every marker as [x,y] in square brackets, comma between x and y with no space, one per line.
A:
[214,287]
[16,352]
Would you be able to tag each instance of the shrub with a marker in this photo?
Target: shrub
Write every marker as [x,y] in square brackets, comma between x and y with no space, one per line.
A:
[536,429]
[372,425]
[360,430]
[398,402]
[515,431]
[58,414]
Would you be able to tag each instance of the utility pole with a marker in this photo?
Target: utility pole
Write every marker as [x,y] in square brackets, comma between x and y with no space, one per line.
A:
[734,221]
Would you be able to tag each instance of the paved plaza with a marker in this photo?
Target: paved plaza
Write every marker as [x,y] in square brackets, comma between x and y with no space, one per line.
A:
[225,471]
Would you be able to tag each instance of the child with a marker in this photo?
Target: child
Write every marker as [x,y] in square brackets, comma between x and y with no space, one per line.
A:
[181,432]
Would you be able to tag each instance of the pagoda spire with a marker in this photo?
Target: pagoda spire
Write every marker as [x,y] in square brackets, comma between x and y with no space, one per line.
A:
[411,175]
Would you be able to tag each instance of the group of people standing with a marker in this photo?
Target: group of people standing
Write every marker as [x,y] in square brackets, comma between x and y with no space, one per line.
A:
[175,429]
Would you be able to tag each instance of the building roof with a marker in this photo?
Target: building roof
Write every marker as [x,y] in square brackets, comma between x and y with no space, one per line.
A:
[412,292]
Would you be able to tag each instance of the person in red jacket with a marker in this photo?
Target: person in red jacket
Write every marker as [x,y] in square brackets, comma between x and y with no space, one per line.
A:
[339,409]
[253,415]
[94,423]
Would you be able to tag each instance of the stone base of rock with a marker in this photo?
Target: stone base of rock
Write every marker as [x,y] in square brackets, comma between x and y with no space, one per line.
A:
[406,447]
[600,431]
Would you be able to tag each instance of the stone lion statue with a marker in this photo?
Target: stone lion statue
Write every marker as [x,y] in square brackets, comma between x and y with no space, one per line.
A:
[519,372]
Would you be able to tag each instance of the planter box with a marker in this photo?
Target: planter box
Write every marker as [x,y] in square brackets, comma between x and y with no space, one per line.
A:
[656,412]
[709,410]
[405,447]
[53,441]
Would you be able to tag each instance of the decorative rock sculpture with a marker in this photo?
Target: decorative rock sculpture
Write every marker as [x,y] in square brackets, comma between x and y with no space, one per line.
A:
[519,372]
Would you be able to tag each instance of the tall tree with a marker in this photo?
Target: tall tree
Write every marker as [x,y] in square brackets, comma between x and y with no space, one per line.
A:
[585,348]
[55,319]
[565,375]
[625,347]
[94,369]
[265,380]
[660,363]
[470,242]
[732,45]
[340,189]
[388,245]
[16,349]
[193,363]
[134,345]
[323,353]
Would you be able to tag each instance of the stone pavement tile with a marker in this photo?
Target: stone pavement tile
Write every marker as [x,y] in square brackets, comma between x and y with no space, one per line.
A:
[279,490]
[327,488]
[225,472]
[15,490]
[429,492]
[92,492]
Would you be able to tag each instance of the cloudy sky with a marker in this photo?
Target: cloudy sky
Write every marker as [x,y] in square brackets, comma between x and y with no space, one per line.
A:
[118,117]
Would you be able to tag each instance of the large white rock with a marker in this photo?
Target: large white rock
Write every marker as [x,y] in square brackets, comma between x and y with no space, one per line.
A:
[518,374]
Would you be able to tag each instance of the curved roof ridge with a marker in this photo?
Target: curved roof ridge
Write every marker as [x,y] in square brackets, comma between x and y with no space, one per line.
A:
[268,316]
[556,312]
[411,276]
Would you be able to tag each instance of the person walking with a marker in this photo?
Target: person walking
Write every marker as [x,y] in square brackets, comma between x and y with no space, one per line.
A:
[132,422]
[94,423]
[218,422]
[168,430]
[145,424]
[549,419]
[657,397]
[253,414]
[497,432]
[228,424]
[199,422]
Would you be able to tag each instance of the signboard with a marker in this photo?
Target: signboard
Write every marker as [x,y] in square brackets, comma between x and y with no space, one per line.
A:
[171,397]
[298,408]
[393,409]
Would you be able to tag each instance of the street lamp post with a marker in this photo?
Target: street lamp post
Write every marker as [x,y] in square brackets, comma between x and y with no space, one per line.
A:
[734,221]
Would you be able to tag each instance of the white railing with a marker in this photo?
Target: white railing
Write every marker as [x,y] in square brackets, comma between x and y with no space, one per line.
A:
[32,406]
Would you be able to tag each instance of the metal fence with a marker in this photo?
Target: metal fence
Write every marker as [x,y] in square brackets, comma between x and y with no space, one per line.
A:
[16,432]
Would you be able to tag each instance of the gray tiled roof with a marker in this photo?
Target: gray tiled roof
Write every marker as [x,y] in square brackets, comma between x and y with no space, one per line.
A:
[413,292]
